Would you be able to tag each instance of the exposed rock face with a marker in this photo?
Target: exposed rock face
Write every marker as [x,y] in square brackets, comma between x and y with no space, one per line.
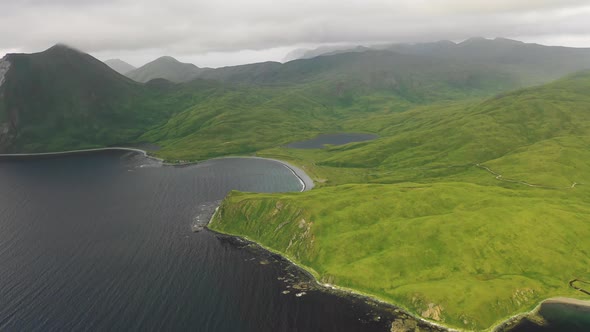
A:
[405,325]
[433,312]
[4,66]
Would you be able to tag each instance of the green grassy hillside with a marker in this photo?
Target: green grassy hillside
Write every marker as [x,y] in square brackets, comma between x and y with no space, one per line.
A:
[420,216]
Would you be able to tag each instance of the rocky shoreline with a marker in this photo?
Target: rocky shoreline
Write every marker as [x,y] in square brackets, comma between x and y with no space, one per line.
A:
[300,281]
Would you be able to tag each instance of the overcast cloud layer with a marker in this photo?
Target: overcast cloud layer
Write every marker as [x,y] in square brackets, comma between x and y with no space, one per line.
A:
[226,32]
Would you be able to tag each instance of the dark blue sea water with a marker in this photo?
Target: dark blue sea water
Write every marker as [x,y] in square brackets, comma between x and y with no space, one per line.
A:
[319,141]
[104,242]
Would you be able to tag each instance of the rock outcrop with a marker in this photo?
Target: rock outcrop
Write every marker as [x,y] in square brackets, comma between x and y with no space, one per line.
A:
[4,67]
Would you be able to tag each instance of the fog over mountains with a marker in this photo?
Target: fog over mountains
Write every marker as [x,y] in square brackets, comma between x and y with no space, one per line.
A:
[538,62]
[199,32]
[119,66]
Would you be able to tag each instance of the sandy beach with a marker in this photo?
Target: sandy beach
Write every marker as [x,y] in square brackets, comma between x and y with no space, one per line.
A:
[569,301]
[304,179]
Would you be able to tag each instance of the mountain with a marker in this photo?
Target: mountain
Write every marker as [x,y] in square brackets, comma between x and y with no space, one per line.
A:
[64,99]
[167,68]
[368,69]
[119,66]
[414,65]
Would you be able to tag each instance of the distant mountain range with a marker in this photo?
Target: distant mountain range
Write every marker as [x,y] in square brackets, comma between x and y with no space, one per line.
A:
[539,62]
[119,66]
[526,63]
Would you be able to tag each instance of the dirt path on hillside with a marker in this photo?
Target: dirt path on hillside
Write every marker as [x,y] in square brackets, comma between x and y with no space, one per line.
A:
[500,177]
[578,288]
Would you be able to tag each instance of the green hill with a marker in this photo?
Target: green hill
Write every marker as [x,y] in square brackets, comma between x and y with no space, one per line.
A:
[414,218]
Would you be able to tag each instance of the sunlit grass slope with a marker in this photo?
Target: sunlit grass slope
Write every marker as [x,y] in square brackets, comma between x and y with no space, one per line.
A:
[411,218]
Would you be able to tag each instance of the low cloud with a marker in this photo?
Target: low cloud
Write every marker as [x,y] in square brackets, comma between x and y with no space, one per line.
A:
[200,29]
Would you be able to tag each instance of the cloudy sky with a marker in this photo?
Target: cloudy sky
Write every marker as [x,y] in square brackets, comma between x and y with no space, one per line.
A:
[227,32]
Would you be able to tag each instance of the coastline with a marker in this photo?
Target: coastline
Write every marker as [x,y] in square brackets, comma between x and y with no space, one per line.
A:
[333,288]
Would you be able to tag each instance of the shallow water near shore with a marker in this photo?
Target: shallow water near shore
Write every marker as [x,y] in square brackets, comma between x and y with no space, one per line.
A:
[557,317]
[104,241]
